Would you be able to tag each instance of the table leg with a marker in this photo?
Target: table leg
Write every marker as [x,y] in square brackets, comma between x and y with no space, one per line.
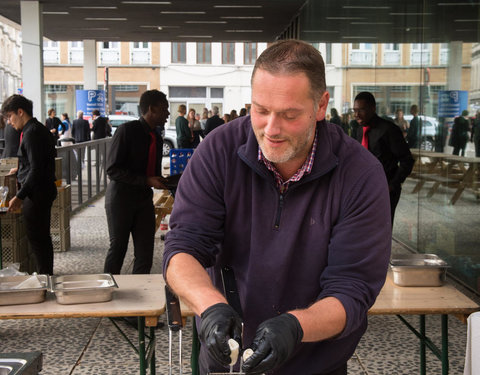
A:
[423,362]
[141,345]
[152,360]
[445,364]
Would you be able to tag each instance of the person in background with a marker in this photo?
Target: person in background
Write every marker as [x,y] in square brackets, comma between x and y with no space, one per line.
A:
[203,119]
[413,132]
[195,127]
[213,122]
[81,133]
[476,133]
[335,118]
[184,133]
[400,121]
[134,165]
[346,123]
[100,126]
[386,142]
[12,142]
[243,112]
[36,179]
[233,114]
[65,132]
[53,123]
[459,136]
[298,210]
[226,118]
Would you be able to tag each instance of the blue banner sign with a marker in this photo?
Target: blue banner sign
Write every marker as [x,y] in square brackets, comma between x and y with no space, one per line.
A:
[89,100]
[451,103]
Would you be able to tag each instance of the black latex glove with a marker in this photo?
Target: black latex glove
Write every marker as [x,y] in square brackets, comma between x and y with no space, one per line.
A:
[219,323]
[274,342]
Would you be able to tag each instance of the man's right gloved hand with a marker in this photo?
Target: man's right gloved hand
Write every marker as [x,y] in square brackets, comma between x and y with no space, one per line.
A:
[219,323]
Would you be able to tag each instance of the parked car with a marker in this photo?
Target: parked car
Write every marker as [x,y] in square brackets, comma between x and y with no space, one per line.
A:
[117,120]
[169,140]
[428,132]
[169,136]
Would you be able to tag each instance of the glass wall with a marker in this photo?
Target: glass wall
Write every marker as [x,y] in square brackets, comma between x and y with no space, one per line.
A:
[427,54]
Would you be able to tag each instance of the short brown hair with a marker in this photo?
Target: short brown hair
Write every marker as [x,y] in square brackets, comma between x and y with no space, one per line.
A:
[294,56]
[182,108]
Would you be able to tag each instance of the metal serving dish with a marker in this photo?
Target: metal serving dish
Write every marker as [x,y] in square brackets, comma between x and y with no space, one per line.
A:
[73,289]
[418,270]
[20,290]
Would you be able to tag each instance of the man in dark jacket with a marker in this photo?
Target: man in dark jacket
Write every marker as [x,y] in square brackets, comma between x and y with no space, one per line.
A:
[36,178]
[80,129]
[213,121]
[52,123]
[384,140]
[100,126]
[298,209]
[134,165]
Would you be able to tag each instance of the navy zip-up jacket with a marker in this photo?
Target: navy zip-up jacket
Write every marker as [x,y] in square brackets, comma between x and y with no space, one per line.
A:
[328,235]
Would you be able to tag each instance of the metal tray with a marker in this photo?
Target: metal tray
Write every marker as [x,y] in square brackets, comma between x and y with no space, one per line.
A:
[418,270]
[73,289]
[12,296]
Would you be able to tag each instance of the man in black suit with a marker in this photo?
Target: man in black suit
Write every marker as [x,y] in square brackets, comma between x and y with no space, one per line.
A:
[81,133]
[52,123]
[213,121]
[36,179]
[100,126]
[80,129]
[385,140]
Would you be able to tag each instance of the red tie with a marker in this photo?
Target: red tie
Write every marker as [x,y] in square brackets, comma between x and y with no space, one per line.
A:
[21,137]
[365,136]
[152,155]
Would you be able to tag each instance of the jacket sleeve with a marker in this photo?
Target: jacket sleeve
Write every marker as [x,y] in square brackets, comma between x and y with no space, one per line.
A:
[117,160]
[359,247]
[401,152]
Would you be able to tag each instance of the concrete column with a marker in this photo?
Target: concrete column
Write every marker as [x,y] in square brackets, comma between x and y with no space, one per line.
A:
[32,55]
[454,69]
[89,64]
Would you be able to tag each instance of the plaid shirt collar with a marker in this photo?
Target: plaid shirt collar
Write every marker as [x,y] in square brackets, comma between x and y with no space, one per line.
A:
[305,169]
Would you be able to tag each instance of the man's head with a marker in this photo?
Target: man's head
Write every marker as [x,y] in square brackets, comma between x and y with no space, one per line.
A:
[414,110]
[80,114]
[51,112]
[288,98]
[96,113]
[215,110]
[364,107]
[182,109]
[17,110]
[154,107]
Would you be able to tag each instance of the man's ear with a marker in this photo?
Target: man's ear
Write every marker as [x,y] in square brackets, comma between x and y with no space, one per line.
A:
[322,106]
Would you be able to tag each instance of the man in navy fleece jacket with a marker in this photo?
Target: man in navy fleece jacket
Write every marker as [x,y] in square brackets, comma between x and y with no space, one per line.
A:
[301,213]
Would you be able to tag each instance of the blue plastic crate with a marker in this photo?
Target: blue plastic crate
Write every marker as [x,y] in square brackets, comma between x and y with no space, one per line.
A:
[178,159]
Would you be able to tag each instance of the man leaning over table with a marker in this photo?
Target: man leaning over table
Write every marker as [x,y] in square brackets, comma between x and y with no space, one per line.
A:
[298,210]
[36,179]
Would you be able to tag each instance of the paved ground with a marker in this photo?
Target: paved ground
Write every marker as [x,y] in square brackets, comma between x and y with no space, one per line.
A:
[93,346]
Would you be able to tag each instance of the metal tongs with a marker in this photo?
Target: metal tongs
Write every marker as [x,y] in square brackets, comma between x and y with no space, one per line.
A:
[233,299]
[175,324]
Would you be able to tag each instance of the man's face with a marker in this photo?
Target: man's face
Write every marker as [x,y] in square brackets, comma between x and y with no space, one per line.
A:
[284,116]
[16,119]
[160,113]
[363,111]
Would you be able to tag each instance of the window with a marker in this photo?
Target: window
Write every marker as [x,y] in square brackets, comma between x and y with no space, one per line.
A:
[140,53]
[49,89]
[75,52]
[204,53]
[110,53]
[228,53]
[126,88]
[421,54]
[216,92]
[249,53]
[51,52]
[179,53]
[110,45]
[187,92]
[391,54]
[328,53]
[361,54]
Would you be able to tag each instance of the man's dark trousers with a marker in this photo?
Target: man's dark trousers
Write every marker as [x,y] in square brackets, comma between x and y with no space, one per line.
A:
[36,212]
[129,209]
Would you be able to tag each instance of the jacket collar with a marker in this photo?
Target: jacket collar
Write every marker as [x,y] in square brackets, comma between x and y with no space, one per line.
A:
[325,159]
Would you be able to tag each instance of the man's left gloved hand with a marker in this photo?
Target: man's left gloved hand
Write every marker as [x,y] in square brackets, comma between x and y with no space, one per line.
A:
[274,342]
